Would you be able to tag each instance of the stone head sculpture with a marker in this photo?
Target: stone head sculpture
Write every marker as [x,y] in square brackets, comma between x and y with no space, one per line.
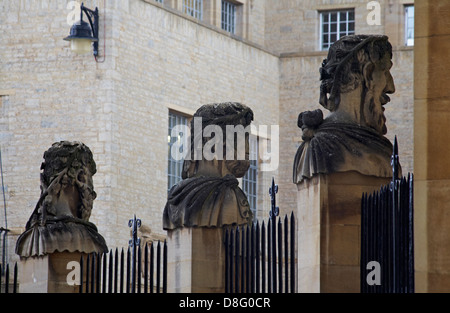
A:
[220,116]
[60,220]
[66,180]
[355,83]
[209,195]
[356,80]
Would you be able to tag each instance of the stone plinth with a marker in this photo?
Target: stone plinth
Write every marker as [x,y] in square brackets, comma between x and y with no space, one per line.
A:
[196,260]
[48,273]
[329,228]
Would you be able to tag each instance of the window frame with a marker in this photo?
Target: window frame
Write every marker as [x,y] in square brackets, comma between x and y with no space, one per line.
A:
[174,178]
[338,26]
[250,179]
[195,11]
[228,16]
[407,40]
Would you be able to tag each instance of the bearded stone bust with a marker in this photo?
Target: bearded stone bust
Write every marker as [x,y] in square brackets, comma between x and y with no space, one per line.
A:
[209,194]
[60,220]
[355,83]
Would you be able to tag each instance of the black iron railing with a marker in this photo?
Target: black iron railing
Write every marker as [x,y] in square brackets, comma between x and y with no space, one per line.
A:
[144,271]
[261,258]
[387,236]
[8,284]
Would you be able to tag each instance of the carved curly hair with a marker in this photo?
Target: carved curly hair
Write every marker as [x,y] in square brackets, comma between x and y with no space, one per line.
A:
[341,71]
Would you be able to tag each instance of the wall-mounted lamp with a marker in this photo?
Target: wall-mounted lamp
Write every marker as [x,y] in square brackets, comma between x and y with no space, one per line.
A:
[82,35]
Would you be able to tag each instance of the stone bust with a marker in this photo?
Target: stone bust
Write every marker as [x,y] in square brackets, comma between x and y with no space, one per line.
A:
[60,220]
[209,195]
[355,83]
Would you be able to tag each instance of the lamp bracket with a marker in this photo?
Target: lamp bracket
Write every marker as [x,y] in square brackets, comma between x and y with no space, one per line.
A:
[93,18]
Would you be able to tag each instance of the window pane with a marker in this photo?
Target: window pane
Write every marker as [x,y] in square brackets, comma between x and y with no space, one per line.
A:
[250,180]
[409,25]
[351,15]
[334,17]
[351,28]
[333,37]
[174,164]
[333,27]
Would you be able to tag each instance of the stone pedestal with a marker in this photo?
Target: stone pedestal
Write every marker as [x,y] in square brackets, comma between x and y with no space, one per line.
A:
[48,273]
[329,228]
[196,260]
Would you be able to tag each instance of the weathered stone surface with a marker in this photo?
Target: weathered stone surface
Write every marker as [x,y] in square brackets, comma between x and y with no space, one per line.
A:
[209,195]
[355,82]
[60,220]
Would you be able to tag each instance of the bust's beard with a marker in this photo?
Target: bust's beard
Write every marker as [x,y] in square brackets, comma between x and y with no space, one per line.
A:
[374,113]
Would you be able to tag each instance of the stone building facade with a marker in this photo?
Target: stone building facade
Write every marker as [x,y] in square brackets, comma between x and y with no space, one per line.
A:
[158,57]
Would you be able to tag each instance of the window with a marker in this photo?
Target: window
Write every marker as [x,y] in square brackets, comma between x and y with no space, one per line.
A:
[228,16]
[334,25]
[193,8]
[250,180]
[175,162]
[409,25]
[160,1]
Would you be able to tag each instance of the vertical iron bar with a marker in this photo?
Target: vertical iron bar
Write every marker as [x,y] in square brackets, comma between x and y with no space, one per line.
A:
[280,256]
[242,259]
[258,260]
[139,269]
[231,253]
[165,267]
[158,268]
[394,163]
[104,277]
[152,265]
[286,256]
[363,229]
[127,286]
[247,259]
[411,283]
[252,258]
[93,273]
[236,262]
[292,253]
[15,279]
[110,272]
[274,255]
[7,279]
[263,258]
[227,270]
[133,269]
[116,269]
[269,256]
[122,270]
[97,274]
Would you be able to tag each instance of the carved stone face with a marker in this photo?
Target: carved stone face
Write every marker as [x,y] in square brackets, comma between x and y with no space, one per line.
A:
[239,167]
[380,84]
